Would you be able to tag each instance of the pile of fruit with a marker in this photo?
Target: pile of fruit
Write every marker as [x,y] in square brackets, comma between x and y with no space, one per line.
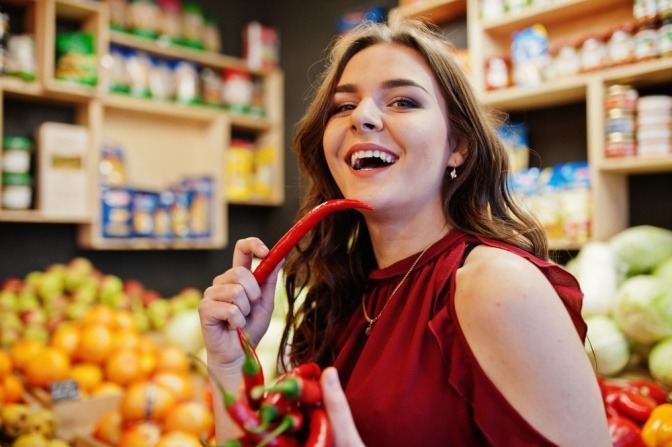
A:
[23,426]
[34,306]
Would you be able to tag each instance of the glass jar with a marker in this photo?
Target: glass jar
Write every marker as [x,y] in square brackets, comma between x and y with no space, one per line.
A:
[568,59]
[644,10]
[16,152]
[665,38]
[621,122]
[497,73]
[17,191]
[621,45]
[646,40]
[594,52]
[619,145]
[237,90]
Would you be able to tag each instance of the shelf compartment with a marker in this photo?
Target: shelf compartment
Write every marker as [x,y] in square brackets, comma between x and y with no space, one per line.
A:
[437,11]
[637,165]
[155,158]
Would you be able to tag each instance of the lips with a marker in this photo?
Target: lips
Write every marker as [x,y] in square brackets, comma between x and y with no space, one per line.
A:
[368,157]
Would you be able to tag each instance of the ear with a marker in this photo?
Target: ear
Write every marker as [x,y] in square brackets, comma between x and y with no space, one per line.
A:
[458,155]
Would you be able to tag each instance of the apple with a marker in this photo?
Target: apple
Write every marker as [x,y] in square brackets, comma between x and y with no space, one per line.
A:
[27,300]
[109,287]
[36,332]
[8,301]
[52,284]
[35,316]
[12,285]
[80,266]
[158,312]
[150,296]
[134,289]
[33,279]
[76,310]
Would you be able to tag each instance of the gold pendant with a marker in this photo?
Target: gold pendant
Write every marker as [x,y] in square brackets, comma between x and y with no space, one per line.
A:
[367,331]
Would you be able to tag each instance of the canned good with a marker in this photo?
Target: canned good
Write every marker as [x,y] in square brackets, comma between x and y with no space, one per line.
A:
[620,96]
[620,121]
[619,145]
[621,45]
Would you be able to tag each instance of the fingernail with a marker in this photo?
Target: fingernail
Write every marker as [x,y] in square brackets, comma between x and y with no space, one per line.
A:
[331,377]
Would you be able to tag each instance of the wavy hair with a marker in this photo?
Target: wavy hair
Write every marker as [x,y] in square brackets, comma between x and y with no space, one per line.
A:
[329,268]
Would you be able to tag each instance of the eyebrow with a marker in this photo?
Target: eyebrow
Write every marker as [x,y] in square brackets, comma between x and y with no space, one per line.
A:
[389,84]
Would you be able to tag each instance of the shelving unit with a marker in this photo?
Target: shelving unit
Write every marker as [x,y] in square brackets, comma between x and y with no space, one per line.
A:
[164,141]
[564,19]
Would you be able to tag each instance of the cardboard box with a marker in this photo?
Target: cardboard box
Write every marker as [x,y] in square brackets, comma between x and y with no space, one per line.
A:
[62,158]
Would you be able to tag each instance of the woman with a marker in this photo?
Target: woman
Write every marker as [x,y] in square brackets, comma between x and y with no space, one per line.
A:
[438,311]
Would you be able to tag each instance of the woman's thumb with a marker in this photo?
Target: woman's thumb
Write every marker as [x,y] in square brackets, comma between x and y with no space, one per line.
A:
[340,417]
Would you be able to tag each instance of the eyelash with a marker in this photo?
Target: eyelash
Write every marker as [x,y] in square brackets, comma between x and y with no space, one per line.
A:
[409,103]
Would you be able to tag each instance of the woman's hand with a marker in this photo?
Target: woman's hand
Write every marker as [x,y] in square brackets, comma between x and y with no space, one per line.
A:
[236,300]
[342,424]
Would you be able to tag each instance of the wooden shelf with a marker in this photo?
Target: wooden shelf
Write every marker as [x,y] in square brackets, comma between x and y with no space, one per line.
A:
[19,87]
[637,165]
[77,10]
[161,48]
[559,11]
[437,11]
[35,216]
[553,93]
[159,107]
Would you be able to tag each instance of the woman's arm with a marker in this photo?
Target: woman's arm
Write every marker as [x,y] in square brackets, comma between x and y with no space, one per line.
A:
[523,337]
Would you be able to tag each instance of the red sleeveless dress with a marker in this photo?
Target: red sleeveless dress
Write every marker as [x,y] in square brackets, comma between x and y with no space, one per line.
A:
[414,380]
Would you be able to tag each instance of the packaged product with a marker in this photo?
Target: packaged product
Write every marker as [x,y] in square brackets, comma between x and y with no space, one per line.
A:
[163,229]
[76,59]
[170,24]
[143,208]
[21,57]
[237,90]
[212,38]
[211,86]
[514,137]
[261,46]
[144,18]
[187,83]
[117,72]
[621,44]
[112,172]
[529,55]
[239,170]
[180,218]
[116,213]
[193,24]
[264,169]
[161,79]
[118,14]
[201,196]
[138,64]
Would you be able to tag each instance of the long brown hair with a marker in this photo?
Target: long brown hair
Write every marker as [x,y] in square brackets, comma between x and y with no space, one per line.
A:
[330,266]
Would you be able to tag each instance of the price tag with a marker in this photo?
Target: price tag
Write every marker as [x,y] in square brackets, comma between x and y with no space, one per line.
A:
[64,390]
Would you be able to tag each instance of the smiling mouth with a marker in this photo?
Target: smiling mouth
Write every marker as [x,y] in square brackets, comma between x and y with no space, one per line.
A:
[371,159]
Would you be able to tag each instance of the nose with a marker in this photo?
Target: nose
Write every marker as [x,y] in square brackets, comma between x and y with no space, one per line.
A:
[366,117]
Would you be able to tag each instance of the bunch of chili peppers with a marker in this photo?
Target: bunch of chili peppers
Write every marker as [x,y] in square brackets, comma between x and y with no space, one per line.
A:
[290,412]
[285,414]
[635,412]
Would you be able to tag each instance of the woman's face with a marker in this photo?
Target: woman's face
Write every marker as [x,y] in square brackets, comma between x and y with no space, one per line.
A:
[387,139]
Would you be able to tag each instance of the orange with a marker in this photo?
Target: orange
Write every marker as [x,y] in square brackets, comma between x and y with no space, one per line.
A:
[6,365]
[66,338]
[123,320]
[95,343]
[108,428]
[144,434]
[124,340]
[191,417]
[2,395]
[172,358]
[179,439]
[123,367]
[147,344]
[87,375]
[177,382]
[145,397]
[47,366]
[99,314]
[14,389]
[23,351]
[106,388]
[147,362]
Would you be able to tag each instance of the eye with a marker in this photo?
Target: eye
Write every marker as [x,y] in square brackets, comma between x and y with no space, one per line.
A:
[404,103]
[340,108]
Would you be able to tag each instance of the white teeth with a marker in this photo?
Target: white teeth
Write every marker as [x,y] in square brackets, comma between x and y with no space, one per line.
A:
[387,158]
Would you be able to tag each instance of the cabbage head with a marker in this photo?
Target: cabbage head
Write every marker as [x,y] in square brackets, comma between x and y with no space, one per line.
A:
[643,309]
[606,346]
[642,247]
[660,362]
[664,271]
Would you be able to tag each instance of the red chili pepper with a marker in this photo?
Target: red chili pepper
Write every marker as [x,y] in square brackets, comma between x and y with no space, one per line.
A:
[650,388]
[290,423]
[624,432]
[308,370]
[307,391]
[299,230]
[253,374]
[635,406]
[272,406]
[320,434]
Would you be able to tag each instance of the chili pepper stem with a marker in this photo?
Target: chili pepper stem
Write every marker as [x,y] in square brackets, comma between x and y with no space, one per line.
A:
[284,425]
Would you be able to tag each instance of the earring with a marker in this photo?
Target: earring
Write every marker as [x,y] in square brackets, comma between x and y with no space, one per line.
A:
[453,173]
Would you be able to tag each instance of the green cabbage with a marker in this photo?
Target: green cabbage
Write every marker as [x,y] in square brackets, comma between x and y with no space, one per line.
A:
[642,247]
[660,362]
[664,271]
[606,346]
[643,309]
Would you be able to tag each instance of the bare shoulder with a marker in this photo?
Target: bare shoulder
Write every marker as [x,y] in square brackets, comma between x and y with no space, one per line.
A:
[523,338]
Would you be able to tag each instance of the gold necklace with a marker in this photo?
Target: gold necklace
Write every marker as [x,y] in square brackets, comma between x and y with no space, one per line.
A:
[370,320]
